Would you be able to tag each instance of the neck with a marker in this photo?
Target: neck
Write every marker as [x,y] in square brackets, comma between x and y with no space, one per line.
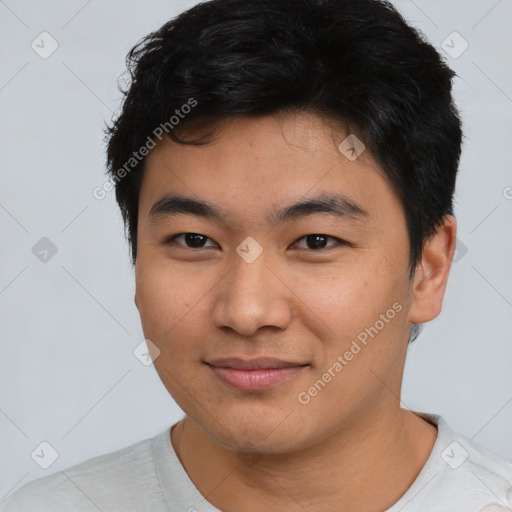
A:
[368,468]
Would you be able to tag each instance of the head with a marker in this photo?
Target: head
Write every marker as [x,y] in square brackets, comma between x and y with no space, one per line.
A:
[312,160]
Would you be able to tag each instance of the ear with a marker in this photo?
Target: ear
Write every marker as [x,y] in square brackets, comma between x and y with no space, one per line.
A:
[431,274]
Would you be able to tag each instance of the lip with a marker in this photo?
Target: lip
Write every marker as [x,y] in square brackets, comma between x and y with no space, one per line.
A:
[254,374]
[252,364]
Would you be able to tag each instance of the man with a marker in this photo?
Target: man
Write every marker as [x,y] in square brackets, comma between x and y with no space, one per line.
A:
[286,171]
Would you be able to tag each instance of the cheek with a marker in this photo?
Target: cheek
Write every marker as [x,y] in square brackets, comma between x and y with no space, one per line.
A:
[342,298]
[365,315]
[169,300]
[366,303]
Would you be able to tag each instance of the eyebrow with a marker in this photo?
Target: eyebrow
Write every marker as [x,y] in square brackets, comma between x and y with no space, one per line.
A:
[336,204]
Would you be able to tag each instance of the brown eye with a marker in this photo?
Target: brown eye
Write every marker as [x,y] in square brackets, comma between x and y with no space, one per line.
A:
[318,241]
[191,240]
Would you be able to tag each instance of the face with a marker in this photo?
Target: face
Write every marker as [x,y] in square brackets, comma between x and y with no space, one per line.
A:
[272,276]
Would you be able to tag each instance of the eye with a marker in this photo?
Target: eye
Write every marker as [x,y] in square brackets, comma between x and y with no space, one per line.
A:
[315,242]
[190,240]
[318,242]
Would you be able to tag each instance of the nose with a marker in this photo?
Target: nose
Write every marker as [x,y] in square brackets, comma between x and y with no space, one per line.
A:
[251,296]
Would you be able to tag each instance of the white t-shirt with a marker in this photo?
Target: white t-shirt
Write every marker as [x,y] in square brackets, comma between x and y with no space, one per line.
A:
[459,476]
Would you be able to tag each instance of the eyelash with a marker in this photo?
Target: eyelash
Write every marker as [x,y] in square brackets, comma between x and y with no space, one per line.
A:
[339,241]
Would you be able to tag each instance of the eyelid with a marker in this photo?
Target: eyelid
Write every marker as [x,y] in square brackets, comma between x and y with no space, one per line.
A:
[339,241]
[172,239]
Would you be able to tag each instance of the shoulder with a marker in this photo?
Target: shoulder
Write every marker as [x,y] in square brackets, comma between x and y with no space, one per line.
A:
[465,472]
[109,482]
[479,463]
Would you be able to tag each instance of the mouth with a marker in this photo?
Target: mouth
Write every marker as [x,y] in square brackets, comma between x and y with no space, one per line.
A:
[256,374]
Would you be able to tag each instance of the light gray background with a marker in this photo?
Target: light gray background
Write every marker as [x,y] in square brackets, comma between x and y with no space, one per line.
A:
[69,326]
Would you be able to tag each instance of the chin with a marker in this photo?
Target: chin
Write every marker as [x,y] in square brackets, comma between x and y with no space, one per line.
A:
[246,432]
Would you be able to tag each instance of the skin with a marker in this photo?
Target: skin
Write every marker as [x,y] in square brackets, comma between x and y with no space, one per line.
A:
[352,447]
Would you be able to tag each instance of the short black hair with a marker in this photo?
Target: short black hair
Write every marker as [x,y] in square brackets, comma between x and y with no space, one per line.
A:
[356,61]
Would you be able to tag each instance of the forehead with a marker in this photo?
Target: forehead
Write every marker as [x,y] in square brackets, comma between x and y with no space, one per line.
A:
[253,166]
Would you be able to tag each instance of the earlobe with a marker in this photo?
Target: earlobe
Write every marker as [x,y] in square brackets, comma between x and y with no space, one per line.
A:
[431,275]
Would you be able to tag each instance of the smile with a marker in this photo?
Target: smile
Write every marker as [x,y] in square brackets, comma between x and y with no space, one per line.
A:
[255,375]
